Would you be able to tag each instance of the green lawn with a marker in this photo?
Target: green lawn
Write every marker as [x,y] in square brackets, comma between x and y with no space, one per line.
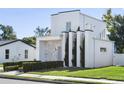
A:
[112,72]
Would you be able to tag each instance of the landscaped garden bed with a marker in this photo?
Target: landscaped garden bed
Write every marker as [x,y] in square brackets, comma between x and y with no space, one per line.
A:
[112,72]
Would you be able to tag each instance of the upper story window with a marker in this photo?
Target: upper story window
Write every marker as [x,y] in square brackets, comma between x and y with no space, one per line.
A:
[103,49]
[68,26]
[7,54]
[26,54]
[103,34]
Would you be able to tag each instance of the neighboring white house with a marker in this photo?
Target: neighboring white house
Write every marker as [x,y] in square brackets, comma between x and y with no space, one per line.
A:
[93,48]
[16,50]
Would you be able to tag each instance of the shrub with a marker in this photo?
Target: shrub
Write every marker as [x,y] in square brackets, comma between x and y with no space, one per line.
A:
[32,66]
[12,63]
[16,64]
[10,68]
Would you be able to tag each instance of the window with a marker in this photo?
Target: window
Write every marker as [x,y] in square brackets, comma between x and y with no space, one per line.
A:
[102,49]
[68,26]
[7,54]
[103,34]
[26,54]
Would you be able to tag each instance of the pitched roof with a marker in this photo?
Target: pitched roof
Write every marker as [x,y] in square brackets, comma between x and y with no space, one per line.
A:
[6,42]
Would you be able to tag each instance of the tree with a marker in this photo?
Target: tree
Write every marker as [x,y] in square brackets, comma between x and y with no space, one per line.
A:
[108,19]
[7,32]
[30,40]
[39,32]
[66,58]
[115,25]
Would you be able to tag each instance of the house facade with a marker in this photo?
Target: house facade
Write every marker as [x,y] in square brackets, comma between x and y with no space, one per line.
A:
[16,50]
[77,39]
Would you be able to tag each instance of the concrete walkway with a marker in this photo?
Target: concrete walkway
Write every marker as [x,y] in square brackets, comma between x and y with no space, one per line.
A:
[73,79]
[1,68]
[62,78]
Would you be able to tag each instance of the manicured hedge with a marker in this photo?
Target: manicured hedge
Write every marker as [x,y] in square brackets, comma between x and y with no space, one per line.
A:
[15,65]
[32,66]
[10,68]
[27,66]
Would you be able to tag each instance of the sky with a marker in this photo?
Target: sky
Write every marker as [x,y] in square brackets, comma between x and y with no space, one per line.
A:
[25,20]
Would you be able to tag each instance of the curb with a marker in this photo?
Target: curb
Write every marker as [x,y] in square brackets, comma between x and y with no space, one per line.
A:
[35,80]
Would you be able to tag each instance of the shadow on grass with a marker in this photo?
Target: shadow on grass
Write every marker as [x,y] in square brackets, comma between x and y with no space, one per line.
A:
[69,69]
[62,69]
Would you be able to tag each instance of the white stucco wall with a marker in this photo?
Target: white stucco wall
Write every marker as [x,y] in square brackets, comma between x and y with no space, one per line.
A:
[80,38]
[93,56]
[49,50]
[89,49]
[72,36]
[58,22]
[103,58]
[64,37]
[16,49]
[118,59]
[77,19]
[88,22]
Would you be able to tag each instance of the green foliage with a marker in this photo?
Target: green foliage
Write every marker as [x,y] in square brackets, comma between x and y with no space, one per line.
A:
[74,53]
[27,66]
[7,32]
[115,25]
[32,66]
[66,59]
[16,64]
[11,68]
[8,66]
[108,19]
[30,40]
[39,32]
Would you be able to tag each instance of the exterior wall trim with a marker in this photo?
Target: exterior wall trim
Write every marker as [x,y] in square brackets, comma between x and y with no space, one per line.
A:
[65,12]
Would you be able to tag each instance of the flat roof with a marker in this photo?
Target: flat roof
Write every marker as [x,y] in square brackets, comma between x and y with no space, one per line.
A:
[80,13]
[65,12]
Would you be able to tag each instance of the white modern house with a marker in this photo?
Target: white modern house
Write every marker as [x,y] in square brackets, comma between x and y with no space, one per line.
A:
[77,39]
[16,50]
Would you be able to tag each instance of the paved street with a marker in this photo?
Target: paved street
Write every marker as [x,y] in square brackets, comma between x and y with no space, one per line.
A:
[12,81]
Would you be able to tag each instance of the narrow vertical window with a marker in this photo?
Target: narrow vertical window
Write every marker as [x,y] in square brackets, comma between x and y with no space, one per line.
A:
[26,54]
[68,26]
[7,54]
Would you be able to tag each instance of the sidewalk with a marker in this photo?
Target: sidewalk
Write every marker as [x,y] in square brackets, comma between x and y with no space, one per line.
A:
[1,68]
[63,78]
